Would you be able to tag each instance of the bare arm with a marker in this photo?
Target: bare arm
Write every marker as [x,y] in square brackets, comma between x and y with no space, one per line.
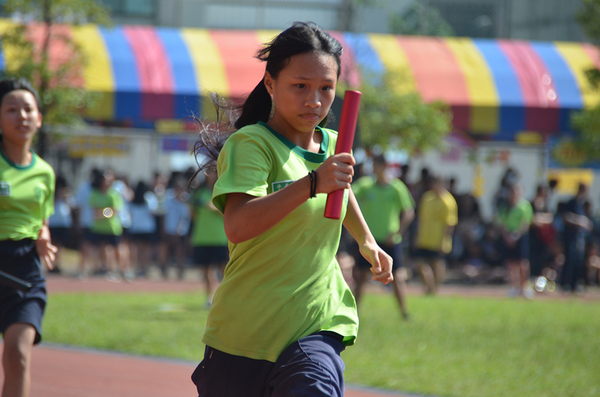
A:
[247,216]
[381,263]
[406,218]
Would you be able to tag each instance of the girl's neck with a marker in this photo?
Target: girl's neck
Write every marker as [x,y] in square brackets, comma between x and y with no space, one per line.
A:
[17,154]
[310,141]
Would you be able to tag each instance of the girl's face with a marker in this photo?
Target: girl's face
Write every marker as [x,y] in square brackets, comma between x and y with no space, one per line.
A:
[303,92]
[20,117]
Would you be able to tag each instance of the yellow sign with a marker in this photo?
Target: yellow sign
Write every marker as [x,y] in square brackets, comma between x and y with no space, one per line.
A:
[569,179]
[87,145]
[169,126]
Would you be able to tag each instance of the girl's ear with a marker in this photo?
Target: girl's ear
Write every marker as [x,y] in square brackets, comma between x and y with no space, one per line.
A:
[268,81]
[39,122]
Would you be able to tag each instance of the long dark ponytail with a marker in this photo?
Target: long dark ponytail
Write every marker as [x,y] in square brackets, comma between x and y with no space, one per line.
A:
[300,38]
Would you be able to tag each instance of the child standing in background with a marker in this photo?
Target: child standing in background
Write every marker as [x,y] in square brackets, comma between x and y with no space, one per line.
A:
[208,235]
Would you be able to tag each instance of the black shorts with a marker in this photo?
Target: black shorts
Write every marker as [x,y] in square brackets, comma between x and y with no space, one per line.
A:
[98,239]
[61,236]
[519,251]
[395,251]
[143,237]
[426,254]
[205,255]
[20,259]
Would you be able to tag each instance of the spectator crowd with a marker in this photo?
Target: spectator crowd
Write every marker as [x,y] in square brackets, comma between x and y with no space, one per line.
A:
[169,223]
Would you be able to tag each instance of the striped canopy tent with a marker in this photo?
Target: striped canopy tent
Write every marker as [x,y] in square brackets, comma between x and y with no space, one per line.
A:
[497,89]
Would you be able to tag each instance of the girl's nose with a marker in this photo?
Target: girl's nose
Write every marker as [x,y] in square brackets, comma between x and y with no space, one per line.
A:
[313,99]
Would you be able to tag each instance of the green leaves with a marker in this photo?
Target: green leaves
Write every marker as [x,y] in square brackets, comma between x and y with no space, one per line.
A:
[58,79]
[392,114]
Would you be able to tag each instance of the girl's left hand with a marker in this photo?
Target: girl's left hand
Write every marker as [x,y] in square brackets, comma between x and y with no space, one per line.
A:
[381,263]
[44,247]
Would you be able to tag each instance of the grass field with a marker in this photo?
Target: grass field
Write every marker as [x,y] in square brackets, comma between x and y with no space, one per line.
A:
[453,346]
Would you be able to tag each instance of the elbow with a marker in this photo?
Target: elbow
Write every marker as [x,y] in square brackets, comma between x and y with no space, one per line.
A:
[234,234]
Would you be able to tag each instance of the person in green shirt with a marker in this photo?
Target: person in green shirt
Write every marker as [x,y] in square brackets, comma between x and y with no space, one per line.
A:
[107,230]
[514,219]
[208,235]
[283,312]
[26,202]
[388,209]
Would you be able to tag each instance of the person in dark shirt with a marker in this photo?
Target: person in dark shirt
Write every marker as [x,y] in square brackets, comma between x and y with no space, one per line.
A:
[576,224]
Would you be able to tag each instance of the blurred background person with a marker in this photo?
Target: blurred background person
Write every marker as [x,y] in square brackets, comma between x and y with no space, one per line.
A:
[143,229]
[61,222]
[514,218]
[575,226]
[437,217]
[176,226]
[208,239]
[388,209]
[85,216]
[107,230]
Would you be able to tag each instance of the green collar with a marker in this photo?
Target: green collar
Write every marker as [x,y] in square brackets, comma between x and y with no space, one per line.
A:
[17,166]
[305,154]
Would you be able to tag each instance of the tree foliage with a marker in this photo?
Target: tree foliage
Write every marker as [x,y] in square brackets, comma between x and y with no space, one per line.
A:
[392,115]
[587,122]
[57,78]
[421,20]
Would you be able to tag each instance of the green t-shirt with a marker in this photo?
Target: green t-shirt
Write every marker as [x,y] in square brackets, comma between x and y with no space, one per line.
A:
[208,223]
[26,197]
[110,224]
[513,218]
[382,205]
[284,284]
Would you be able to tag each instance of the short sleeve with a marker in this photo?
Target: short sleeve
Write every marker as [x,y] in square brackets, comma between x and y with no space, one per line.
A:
[406,200]
[359,186]
[452,216]
[49,202]
[243,167]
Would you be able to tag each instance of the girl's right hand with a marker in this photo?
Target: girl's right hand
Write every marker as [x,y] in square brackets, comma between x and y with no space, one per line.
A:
[335,173]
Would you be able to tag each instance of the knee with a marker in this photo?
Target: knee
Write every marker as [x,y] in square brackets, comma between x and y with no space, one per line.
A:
[16,358]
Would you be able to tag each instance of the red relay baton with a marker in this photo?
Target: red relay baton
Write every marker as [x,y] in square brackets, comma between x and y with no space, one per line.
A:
[333,207]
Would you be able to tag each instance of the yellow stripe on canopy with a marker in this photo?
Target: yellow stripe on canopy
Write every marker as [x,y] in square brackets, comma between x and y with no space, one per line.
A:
[210,71]
[11,54]
[579,62]
[98,72]
[394,59]
[480,84]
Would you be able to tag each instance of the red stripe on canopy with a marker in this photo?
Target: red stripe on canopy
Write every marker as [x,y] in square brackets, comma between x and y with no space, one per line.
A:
[539,92]
[350,72]
[438,76]
[238,51]
[154,71]
[59,51]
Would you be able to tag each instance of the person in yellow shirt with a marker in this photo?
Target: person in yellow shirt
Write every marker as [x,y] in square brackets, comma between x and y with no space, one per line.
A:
[437,216]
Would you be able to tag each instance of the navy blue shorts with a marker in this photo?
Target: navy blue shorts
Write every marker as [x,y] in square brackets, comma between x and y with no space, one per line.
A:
[394,250]
[428,254]
[519,251]
[143,237]
[20,259]
[98,239]
[206,255]
[61,235]
[311,367]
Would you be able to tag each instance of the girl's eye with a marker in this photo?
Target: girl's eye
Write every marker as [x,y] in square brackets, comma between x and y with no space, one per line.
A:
[301,85]
[327,88]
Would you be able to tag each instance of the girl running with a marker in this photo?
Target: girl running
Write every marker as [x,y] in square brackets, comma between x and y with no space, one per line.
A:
[26,202]
[283,312]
